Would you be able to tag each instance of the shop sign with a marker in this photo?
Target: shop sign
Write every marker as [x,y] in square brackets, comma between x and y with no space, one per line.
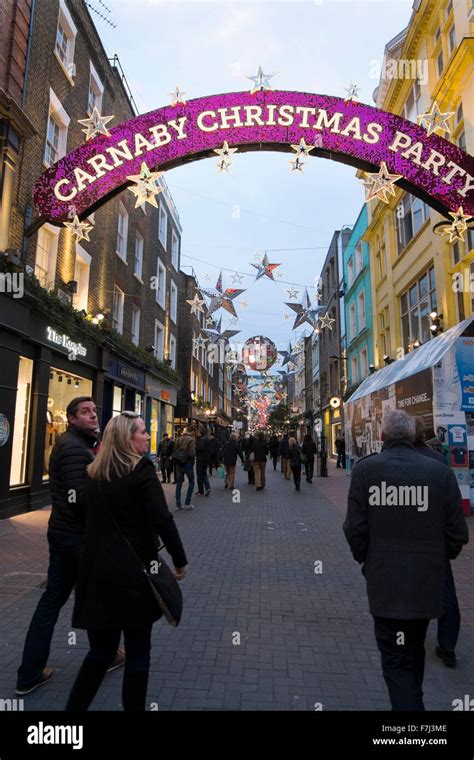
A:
[165,395]
[4,430]
[128,374]
[335,402]
[64,341]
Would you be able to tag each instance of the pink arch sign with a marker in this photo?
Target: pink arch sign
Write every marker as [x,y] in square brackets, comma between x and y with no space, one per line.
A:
[432,168]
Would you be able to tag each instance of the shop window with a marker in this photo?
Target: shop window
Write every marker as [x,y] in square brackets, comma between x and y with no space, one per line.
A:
[169,412]
[21,424]
[56,131]
[161,284]
[117,310]
[81,275]
[46,255]
[172,355]
[175,250]
[96,91]
[163,226]
[155,410]
[174,302]
[410,215]
[138,269]
[117,400]
[63,388]
[122,232]
[159,340]
[65,41]
[138,404]
[413,106]
[135,324]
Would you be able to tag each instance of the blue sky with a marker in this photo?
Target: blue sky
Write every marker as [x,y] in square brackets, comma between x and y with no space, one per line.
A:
[211,47]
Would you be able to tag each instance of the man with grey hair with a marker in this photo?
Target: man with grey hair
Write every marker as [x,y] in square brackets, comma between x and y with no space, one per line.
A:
[404,513]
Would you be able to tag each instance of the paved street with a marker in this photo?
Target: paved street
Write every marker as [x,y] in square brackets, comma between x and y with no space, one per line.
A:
[306,637]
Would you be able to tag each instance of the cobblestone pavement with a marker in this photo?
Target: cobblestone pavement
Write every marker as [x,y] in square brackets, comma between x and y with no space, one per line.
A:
[262,630]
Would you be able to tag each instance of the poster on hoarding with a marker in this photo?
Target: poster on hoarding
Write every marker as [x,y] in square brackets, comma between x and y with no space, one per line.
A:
[465,368]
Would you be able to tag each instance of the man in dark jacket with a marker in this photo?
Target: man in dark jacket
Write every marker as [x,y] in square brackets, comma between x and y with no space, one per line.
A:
[285,456]
[164,454]
[214,449]
[274,446]
[404,513]
[73,452]
[230,452]
[203,459]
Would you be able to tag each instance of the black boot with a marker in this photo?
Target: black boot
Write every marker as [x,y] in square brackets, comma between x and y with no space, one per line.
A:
[134,688]
[86,685]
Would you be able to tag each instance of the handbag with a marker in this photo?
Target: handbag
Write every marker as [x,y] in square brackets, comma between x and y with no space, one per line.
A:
[162,582]
[180,456]
[220,471]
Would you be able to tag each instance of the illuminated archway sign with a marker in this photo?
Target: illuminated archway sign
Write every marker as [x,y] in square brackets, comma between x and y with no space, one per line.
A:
[347,131]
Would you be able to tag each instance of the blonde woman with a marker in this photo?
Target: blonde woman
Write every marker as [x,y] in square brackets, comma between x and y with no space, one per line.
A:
[125,502]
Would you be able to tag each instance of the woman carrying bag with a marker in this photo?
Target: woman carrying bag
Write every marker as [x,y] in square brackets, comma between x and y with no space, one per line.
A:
[126,511]
[295,462]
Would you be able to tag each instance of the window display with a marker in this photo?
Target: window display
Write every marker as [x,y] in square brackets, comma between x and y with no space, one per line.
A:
[63,388]
[21,427]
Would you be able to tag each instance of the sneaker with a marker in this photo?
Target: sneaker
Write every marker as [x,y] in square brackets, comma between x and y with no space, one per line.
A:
[447,657]
[199,494]
[119,660]
[178,509]
[45,677]
[187,507]
[207,492]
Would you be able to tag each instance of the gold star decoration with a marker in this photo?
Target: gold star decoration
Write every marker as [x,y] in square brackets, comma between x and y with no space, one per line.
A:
[95,124]
[380,185]
[326,321]
[460,219]
[177,97]
[80,230]
[260,81]
[225,157]
[303,149]
[296,165]
[145,188]
[196,304]
[434,119]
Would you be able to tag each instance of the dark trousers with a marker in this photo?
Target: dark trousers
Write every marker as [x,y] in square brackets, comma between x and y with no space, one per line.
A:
[341,460]
[103,648]
[309,468]
[64,553]
[214,463]
[296,470]
[403,660]
[202,479]
[450,622]
[275,460]
[181,471]
[166,469]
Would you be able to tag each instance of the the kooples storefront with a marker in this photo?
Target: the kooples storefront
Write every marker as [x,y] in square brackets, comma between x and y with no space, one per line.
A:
[160,410]
[124,388]
[43,369]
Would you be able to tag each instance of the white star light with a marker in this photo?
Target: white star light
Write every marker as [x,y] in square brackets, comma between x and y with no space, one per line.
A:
[302,149]
[196,304]
[177,97]
[95,124]
[260,81]
[434,119]
[380,184]
[145,188]
[326,321]
[80,230]
[292,293]
[297,165]
[236,277]
[225,157]
[352,92]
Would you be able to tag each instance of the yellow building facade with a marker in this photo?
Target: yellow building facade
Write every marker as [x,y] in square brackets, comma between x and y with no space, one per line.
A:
[413,270]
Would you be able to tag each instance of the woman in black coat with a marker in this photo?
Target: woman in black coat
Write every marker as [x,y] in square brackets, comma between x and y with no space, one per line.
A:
[309,449]
[295,462]
[230,452]
[125,502]
[260,451]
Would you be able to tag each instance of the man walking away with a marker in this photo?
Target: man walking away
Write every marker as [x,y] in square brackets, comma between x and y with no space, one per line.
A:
[295,462]
[274,448]
[230,453]
[404,511]
[309,450]
[260,451]
[202,463]
[213,453]
[183,455]
[73,451]
[285,456]
[449,623]
[162,456]
[341,451]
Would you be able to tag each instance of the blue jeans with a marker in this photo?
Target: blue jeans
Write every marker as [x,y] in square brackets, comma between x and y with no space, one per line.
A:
[202,479]
[64,552]
[450,622]
[181,471]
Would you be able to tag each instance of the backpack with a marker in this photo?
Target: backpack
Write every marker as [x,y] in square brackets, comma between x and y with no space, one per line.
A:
[180,456]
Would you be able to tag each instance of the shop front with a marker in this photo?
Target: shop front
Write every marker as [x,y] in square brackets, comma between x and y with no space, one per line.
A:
[124,388]
[160,410]
[43,369]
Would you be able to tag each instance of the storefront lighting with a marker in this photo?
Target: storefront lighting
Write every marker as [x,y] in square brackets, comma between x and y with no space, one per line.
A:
[433,314]
[100,316]
[95,321]
[77,384]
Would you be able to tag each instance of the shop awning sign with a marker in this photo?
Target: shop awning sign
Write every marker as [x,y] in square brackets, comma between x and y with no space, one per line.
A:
[433,168]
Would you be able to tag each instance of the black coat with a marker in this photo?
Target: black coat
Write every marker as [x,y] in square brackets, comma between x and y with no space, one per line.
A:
[260,449]
[274,446]
[112,591]
[285,447]
[295,456]
[203,455]
[72,453]
[309,449]
[230,453]
[404,549]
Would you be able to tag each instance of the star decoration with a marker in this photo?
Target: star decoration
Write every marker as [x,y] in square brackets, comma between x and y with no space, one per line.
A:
[177,97]
[145,188]
[265,268]
[297,165]
[222,299]
[434,119]
[352,92]
[199,342]
[302,149]
[460,219]
[260,81]
[289,356]
[225,157]
[286,316]
[280,274]
[80,230]
[236,277]
[380,184]
[196,304]
[215,334]
[304,311]
[326,321]
[243,305]
[292,293]
[210,322]
[95,124]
